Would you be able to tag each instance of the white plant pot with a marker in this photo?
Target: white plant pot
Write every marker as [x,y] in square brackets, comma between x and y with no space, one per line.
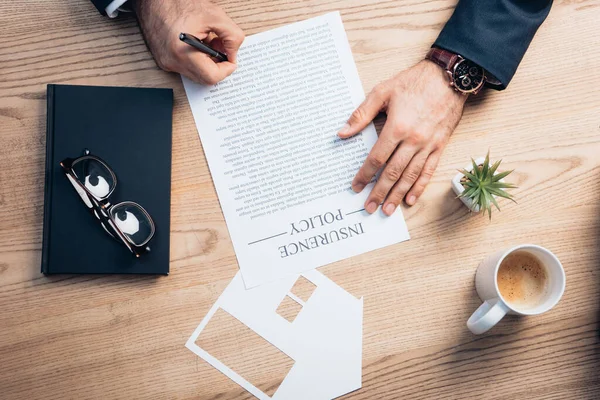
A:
[458,188]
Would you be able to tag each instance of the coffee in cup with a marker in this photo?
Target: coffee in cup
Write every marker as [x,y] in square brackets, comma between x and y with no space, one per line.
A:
[522,280]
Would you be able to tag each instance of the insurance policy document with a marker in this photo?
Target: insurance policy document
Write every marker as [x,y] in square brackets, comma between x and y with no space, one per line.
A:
[269,133]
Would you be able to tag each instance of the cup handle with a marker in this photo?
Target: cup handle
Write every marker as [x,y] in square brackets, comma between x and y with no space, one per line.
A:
[487,315]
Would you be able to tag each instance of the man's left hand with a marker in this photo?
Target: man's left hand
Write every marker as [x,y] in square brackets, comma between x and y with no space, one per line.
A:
[422,112]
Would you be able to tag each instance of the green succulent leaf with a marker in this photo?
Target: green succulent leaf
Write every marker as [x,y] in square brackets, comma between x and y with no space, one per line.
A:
[467,193]
[502,193]
[501,175]
[489,211]
[502,185]
[475,194]
[475,169]
[494,167]
[495,202]
[486,165]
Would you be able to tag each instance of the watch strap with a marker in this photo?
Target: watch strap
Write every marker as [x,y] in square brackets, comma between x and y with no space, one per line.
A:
[444,58]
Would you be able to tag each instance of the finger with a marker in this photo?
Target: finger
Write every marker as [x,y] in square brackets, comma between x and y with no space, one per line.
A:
[408,178]
[419,187]
[380,153]
[393,171]
[360,118]
[210,37]
[216,44]
[202,68]
[230,35]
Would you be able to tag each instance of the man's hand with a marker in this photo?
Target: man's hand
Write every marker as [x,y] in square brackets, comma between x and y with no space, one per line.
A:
[422,112]
[161,23]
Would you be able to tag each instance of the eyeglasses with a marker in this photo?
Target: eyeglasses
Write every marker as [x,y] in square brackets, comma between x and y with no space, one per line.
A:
[95,181]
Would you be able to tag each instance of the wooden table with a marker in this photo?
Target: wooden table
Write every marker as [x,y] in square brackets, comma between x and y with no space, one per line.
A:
[123,337]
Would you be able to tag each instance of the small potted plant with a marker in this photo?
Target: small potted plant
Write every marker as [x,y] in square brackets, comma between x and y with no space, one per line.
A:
[478,185]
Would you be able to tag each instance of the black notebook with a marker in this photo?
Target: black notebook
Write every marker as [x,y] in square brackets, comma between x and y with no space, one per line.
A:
[130,129]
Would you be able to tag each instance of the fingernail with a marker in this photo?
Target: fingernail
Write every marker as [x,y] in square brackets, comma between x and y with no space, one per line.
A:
[389,208]
[410,200]
[358,187]
[345,129]
[371,207]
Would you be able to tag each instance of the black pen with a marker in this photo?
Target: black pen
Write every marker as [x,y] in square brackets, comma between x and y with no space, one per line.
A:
[200,45]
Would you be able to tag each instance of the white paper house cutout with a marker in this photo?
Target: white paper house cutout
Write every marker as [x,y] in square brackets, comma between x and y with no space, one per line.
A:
[324,340]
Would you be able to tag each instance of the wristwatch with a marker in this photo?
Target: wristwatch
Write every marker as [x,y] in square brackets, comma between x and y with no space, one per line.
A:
[465,76]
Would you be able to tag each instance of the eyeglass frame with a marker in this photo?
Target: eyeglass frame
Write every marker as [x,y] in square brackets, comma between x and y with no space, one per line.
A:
[101,206]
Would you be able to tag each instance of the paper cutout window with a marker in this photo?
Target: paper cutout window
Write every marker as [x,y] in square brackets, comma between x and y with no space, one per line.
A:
[295,299]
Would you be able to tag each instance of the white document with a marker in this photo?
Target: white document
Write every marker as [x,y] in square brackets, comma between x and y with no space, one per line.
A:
[324,340]
[283,176]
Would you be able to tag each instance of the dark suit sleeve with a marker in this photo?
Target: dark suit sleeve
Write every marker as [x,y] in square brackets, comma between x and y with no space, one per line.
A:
[494,33]
[101,5]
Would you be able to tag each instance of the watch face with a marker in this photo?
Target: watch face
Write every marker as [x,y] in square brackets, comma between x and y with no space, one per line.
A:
[467,76]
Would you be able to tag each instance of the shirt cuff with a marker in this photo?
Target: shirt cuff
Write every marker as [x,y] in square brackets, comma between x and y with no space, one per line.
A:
[112,10]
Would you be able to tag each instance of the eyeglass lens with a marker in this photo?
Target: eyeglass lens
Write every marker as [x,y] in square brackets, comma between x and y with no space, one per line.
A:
[95,176]
[133,222]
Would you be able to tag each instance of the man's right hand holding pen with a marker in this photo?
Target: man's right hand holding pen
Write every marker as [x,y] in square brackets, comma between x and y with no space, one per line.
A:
[161,23]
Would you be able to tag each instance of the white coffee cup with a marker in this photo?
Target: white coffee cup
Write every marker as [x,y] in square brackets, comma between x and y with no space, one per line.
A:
[494,306]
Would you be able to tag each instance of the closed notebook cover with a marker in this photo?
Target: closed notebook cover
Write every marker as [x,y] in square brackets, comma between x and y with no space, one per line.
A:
[130,129]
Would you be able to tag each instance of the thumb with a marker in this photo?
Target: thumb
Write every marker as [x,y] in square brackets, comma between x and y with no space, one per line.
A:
[365,113]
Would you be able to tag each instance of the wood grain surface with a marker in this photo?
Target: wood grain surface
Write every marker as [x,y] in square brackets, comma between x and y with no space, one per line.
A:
[111,337]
